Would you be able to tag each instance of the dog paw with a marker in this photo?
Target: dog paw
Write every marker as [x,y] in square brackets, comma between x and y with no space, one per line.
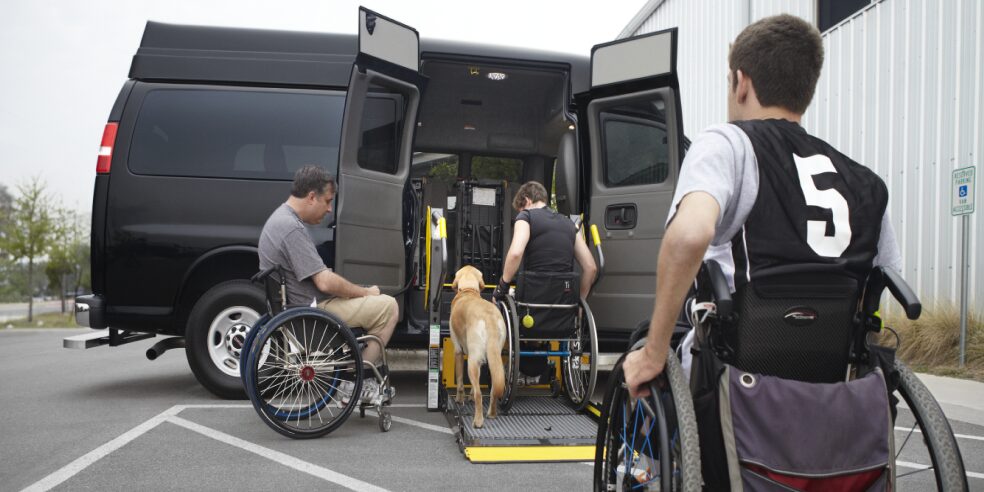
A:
[478,423]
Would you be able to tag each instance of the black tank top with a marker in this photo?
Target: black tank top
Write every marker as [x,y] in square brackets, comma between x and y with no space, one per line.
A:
[814,205]
[551,245]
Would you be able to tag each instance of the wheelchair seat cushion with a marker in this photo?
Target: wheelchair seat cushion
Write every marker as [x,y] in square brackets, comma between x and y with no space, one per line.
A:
[558,288]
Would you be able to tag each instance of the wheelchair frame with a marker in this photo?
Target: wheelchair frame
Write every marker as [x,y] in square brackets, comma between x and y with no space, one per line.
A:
[578,392]
[940,442]
[280,361]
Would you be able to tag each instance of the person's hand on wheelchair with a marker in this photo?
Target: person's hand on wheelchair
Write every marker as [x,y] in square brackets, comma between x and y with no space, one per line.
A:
[642,366]
[501,290]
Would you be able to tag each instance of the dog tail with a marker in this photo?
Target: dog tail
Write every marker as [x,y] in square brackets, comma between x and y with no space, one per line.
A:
[493,348]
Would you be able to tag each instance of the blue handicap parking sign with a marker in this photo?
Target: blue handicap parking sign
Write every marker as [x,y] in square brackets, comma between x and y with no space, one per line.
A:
[962,191]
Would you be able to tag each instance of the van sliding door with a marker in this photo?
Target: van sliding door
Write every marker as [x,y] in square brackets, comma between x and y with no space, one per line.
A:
[634,135]
[375,153]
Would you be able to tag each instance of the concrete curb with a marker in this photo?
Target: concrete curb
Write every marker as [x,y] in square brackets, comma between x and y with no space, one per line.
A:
[961,399]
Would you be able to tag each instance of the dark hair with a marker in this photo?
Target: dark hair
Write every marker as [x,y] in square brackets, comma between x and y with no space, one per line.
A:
[783,56]
[312,178]
[532,190]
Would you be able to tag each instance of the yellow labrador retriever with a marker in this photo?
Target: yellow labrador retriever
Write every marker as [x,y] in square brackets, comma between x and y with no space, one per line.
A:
[477,330]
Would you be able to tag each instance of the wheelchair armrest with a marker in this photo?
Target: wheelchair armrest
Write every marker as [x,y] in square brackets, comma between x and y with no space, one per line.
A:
[719,288]
[900,291]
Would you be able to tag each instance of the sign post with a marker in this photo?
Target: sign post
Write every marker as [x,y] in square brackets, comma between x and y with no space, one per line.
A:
[962,201]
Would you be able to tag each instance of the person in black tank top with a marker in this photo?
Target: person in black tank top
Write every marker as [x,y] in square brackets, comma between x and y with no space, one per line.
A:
[543,241]
[762,191]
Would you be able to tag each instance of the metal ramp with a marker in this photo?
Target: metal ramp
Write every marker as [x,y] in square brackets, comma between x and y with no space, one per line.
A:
[538,428]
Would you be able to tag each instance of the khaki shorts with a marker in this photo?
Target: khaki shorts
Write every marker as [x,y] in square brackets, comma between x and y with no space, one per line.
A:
[371,313]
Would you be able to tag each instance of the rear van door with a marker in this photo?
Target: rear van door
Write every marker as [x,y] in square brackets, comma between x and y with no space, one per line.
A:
[375,153]
[634,140]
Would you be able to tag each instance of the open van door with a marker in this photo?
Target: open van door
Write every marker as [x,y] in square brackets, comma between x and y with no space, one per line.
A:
[631,128]
[375,152]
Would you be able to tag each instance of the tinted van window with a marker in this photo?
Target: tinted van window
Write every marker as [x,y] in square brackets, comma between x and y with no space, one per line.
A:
[636,147]
[235,133]
[382,124]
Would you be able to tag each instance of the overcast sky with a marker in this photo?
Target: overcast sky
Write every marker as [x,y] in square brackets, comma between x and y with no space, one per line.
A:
[64,61]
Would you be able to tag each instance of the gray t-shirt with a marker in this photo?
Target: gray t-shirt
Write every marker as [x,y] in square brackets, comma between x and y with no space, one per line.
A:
[286,242]
[721,162]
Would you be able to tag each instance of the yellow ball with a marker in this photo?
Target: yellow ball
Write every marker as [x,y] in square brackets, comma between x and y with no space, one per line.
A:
[528,321]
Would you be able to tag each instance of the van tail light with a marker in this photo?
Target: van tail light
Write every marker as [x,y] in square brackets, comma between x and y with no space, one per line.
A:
[106,148]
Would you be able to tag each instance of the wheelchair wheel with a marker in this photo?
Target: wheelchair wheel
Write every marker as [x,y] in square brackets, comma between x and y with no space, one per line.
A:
[302,369]
[580,368]
[634,436]
[937,440]
[508,309]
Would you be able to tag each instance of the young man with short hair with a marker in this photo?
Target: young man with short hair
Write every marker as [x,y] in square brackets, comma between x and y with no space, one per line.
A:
[760,191]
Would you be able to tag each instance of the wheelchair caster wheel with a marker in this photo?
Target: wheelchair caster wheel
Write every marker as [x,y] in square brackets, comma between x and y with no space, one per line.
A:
[555,388]
[362,412]
[385,421]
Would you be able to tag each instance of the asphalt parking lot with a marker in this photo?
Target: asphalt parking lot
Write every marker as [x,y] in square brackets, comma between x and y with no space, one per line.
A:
[109,419]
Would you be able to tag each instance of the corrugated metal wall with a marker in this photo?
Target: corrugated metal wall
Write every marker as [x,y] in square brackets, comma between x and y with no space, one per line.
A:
[900,92]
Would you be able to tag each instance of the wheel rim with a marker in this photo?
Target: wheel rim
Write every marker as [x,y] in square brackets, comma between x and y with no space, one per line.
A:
[300,384]
[227,337]
[631,433]
[579,380]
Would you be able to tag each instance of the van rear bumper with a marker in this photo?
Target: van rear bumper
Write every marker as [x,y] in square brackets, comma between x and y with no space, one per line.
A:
[90,310]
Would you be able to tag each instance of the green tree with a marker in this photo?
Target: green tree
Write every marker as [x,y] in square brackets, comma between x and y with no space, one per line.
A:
[68,258]
[28,230]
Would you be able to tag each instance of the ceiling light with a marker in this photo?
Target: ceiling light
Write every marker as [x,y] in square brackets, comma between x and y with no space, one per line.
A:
[496,76]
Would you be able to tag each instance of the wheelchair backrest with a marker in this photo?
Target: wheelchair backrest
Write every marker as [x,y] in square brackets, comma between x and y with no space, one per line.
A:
[795,325]
[554,288]
[274,286]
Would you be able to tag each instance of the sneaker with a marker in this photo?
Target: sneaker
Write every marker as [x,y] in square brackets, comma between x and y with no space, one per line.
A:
[370,393]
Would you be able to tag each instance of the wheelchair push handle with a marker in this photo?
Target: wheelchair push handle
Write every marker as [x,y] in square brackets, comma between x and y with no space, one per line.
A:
[263,274]
[883,277]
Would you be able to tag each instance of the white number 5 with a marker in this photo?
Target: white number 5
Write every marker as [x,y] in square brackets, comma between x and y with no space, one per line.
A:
[816,230]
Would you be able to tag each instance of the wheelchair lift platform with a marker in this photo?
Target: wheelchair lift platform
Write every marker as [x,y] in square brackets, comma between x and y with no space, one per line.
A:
[538,428]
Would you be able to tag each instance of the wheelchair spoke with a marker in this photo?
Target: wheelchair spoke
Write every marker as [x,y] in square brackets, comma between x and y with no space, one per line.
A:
[907,436]
[929,468]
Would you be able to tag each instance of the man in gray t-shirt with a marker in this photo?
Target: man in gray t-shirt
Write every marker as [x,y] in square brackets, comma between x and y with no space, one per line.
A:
[285,241]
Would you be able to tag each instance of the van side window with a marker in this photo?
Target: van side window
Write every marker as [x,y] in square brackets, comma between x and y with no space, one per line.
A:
[382,126]
[636,146]
[226,133]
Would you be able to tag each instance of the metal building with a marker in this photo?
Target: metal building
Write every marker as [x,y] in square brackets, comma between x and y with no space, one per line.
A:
[900,91]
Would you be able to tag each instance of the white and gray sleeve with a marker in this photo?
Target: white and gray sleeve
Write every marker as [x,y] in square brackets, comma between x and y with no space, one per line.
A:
[888,248]
[720,162]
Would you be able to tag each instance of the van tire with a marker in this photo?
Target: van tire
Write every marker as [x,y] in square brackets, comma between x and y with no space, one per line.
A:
[226,311]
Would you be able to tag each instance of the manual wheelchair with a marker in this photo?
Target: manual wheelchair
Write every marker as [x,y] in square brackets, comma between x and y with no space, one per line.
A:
[546,319]
[803,325]
[302,367]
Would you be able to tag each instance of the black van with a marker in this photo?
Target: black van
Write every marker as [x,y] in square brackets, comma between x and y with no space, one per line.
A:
[204,137]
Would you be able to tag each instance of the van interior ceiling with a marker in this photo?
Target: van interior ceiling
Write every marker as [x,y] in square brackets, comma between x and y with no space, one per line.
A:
[492,109]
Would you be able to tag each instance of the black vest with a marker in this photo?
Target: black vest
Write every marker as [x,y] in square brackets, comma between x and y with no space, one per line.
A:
[551,245]
[814,205]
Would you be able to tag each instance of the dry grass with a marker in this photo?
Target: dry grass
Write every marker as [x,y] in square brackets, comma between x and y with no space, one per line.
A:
[46,320]
[932,343]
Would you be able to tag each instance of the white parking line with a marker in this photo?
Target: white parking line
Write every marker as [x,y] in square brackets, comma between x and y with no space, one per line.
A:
[277,456]
[415,423]
[69,470]
[958,436]
[920,466]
